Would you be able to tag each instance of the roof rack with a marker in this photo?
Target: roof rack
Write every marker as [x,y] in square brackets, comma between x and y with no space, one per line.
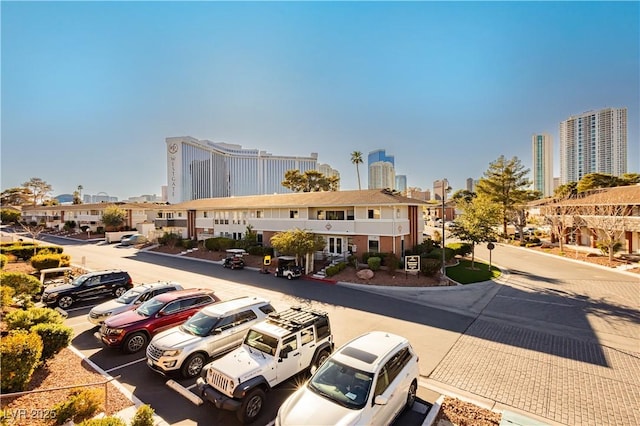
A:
[295,317]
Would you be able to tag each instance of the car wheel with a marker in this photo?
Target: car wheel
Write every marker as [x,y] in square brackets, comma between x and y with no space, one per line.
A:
[251,406]
[411,395]
[119,291]
[322,357]
[290,277]
[134,342]
[65,301]
[193,365]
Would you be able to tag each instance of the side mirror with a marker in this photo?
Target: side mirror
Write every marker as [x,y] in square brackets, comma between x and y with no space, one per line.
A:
[381,400]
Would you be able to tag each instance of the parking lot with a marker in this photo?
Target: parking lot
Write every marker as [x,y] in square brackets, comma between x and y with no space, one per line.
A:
[174,407]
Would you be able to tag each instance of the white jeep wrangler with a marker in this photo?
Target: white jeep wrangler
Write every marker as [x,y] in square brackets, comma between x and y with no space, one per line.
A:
[216,329]
[273,350]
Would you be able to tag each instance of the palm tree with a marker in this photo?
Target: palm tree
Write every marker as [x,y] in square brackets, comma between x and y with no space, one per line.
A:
[356,158]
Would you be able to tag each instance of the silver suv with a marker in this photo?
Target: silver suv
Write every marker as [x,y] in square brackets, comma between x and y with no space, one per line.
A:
[216,329]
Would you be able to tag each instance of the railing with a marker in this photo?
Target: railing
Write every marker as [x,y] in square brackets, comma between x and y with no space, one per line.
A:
[104,383]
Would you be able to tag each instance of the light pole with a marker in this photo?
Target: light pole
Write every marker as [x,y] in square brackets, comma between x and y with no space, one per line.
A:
[444,192]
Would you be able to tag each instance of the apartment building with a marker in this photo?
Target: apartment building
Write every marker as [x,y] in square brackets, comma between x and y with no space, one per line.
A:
[593,142]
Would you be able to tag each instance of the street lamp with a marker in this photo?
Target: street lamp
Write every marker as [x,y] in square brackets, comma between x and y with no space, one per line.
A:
[444,192]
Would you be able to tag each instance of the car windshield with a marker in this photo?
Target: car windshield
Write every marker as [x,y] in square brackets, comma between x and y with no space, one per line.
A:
[150,307]
[200,324]
[262,342]
[129,297]
[342,384]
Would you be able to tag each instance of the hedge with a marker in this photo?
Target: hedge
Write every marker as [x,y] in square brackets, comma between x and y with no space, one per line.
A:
[26,251]
[25,319]
[334,269]
[219,243]
[143,416]
[437,254]
[20,354]
[55,337]
[3,260]
[24,285]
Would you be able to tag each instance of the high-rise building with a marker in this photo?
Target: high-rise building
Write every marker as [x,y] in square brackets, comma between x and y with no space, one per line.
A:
[329,171]
[470,184]
[382,172]
[542,146]
[593,142]
[203,169]
[439,188]
[401,183]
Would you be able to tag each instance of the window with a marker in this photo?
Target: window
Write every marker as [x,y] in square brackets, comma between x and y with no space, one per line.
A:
[350,214]
[307,335]
[320,215]
[259,214]
[322,327]
[205,214]
[373,213]
[172,307]
[290,342]
[267,309]
[335,215]
[245,316]
[293,214]
[397,363]
[374,246]
[383,382]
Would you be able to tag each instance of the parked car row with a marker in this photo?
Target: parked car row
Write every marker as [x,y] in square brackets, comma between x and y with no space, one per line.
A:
[241,348]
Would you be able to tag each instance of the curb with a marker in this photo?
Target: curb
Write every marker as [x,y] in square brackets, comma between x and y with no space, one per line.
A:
[126,413]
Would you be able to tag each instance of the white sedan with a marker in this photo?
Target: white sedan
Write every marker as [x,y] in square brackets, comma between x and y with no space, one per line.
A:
[129,300]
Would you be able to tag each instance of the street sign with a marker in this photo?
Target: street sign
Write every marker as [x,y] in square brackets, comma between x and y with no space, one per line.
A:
[412,263]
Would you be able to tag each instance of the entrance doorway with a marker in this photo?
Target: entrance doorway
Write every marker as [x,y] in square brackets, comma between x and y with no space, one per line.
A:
[336,246]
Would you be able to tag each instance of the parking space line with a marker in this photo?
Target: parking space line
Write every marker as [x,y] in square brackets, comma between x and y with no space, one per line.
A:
[126,365]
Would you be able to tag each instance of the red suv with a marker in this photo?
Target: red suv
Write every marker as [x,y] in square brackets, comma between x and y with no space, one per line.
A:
[132,330]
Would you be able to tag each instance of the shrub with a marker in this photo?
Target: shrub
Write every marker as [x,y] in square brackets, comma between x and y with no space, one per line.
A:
[65,260]
[256,250]
[169,239]
[393,263]
[188,243]
[6,296]
[44,261]
[604,248]
[143,416]
[429,267]
[4,259]
[331,270]
[55,337]
[80,405]
[437,254]
[461,249]
[24,320]
[105,421]
[20,354]
[374,263]
[25,286]
[70,224]
[219,243]
[100,230]
[424,247]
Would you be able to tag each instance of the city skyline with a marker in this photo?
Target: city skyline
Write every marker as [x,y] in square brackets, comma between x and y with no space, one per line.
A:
[91,90]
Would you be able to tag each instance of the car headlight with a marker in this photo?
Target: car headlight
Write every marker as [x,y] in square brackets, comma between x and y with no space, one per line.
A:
[172,352]
[114,331]
[51,295]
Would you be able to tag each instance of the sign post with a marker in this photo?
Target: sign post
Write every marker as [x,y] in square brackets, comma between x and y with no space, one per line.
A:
[490,247]
[411,263]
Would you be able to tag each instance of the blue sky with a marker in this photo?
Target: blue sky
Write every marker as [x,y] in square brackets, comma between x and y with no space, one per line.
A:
[90,90]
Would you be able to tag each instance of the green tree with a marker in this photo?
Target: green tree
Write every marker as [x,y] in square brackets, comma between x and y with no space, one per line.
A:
[356,158]
[297,243]
[9,216]
[16,196]
[309,181]
[519,215]
[595,181]
[114,217]
[250,237]
[505,183]
[463,194]
[39,188]
[476,223]
[566,191]
[629,179]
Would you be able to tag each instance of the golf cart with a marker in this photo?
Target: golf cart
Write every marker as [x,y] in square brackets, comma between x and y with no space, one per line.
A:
[287,268]
[234,259]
